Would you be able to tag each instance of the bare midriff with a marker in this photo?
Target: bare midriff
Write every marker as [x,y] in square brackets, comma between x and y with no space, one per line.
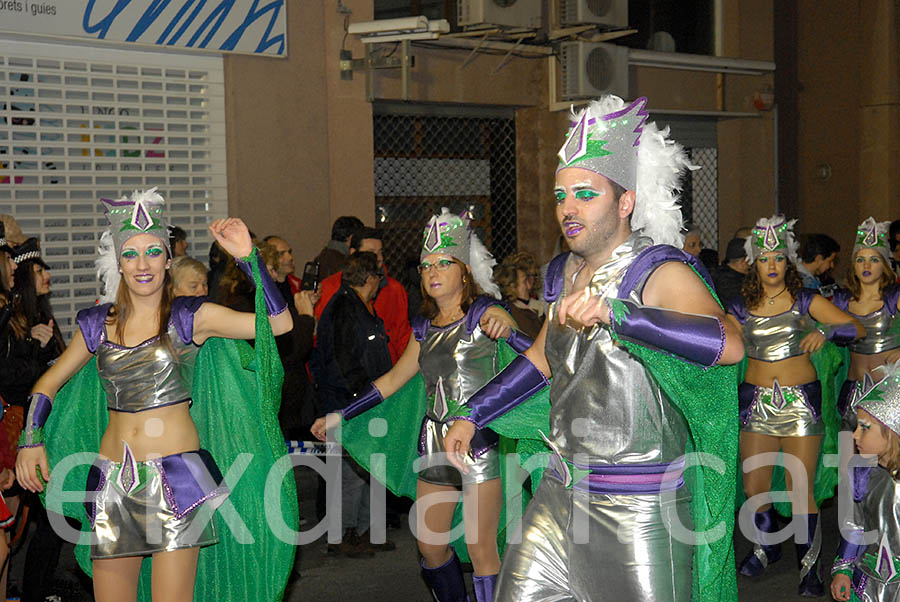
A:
[795,370]
[151,433]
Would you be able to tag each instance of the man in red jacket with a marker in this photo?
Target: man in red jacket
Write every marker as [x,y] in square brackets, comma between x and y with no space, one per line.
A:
[390,302]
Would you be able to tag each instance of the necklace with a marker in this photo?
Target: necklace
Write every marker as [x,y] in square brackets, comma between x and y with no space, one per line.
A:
[772,298]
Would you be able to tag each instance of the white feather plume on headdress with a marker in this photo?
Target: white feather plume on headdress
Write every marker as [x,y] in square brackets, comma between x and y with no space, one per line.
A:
[108,268]
[482,265]
[656,209]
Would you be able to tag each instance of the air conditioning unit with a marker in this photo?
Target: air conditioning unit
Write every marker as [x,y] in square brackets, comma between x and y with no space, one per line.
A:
[588,70]
[608,13]
[503,13]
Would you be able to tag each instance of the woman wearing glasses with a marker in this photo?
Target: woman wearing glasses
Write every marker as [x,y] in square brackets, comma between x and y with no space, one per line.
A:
[454,347]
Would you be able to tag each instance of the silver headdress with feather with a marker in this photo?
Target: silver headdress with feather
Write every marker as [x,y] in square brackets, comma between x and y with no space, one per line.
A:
[772,234]
[882,400]
[141,213]
[450,234]
[614,141]
[873,235]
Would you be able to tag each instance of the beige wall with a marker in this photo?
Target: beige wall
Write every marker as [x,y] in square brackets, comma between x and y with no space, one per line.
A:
[299,139]
[321,126]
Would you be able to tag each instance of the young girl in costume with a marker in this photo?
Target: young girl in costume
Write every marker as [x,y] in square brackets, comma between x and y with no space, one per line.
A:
[151,475]
[780,399]
[452,347]
[868,560]
[871,297]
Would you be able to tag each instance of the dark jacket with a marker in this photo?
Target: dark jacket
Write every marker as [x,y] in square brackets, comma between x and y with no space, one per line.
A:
[298,402]
[351,350]
[22,362]
[727,282]
[332,259]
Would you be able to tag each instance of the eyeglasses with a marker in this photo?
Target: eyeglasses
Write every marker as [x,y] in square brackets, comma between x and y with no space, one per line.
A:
[442,265]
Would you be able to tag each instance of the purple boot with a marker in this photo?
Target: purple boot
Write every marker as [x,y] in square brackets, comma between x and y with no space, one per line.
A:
[484,587]
[446,581]
[808,553]
[754,564]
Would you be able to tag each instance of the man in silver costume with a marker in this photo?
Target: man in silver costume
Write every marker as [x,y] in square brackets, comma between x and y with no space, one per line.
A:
[598,524]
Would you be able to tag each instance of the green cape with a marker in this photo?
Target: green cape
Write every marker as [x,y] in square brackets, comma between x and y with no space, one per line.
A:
[236,395]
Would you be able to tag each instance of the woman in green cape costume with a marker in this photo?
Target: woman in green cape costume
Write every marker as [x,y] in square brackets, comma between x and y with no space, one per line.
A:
[786,400]
[453,348]
[235,391]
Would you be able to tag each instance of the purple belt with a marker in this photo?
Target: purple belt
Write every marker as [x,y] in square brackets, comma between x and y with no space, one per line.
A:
[626,479]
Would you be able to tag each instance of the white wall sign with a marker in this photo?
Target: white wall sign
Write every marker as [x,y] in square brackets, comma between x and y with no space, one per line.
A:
[243,26]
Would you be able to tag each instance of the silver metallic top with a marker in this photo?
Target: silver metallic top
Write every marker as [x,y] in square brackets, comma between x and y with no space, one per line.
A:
[455,364]
[773,338]
[147,376]
[604,404]
[878,512]
[882,332]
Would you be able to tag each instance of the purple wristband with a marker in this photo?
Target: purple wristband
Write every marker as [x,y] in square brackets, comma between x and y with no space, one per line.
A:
[514,384]
[275,303]
[39,407]
[839,333]
[519,341]
[364,400]
[696,338]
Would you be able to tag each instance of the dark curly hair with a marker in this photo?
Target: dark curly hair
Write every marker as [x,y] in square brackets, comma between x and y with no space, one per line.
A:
[752,288]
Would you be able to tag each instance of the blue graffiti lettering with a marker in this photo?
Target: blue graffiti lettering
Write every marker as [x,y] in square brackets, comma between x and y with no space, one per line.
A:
[102,27]
[222,10]
[183,22]
[253,15]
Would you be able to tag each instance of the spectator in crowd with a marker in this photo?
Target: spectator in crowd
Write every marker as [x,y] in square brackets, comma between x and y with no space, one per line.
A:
[709,258]
[333,257]
[818,255]
[188,277]
[31,342]
[519,280]
[390,301]
[894,238]
[233,288]
[692,240]
[299,407]
[285,262]
[178,241]
[729,276]
[7,448]
[351,352]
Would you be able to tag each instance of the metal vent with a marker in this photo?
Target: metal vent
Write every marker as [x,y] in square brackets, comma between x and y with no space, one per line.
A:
[589,70]
[607,13]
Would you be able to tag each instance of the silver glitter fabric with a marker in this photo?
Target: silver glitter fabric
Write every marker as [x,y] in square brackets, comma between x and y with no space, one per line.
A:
[772,234]
[606,144]
[774,338]
[877,568]
[782,411]
[883,400]
[604,404]
[605,409]
[577,546]
[133,514]
[147,376]
[454,364]
[882,332]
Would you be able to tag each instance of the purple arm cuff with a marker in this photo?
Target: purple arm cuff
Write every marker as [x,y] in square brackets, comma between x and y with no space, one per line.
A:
[839,333]
[847,552]
[516,383]
[38,410]
[698,339]
[364,400]
[275,303]
[519,341]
